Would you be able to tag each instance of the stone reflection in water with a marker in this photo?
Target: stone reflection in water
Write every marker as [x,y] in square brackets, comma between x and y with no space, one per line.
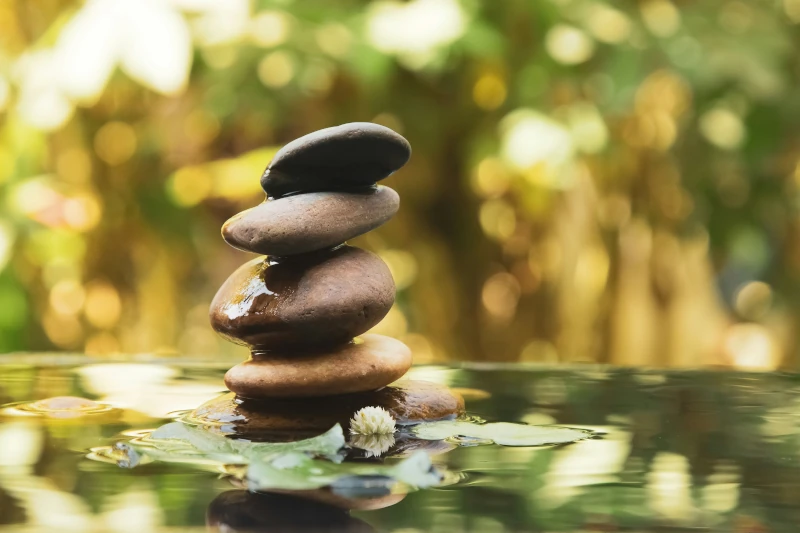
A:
[372,445]
[319,510]
[406,401]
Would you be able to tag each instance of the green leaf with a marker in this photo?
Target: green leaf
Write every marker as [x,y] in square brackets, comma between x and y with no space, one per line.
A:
[297,471]
[178,441]
[281,465]
[503,433]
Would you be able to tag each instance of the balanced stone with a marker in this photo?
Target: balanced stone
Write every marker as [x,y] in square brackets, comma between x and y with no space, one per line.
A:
[305,301]
[308,222]
[366,364]
[408,401]
[342,157]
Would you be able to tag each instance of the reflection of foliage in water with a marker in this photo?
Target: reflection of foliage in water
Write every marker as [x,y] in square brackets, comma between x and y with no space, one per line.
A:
[585,174]
[722,446]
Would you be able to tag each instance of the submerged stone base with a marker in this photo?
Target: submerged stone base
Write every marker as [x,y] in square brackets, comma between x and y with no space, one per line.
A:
[407,401]
[240,510]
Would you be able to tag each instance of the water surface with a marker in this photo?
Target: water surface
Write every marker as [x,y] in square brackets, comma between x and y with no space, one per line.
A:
[681,451]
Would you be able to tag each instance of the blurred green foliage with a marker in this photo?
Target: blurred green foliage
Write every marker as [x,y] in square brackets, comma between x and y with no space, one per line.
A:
[591,180]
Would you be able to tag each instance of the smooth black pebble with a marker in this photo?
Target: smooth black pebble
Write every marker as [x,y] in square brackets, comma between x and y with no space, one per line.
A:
[338,158]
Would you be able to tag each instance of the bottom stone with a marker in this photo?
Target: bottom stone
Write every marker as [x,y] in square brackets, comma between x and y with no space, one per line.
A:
[407,401]
[367,363]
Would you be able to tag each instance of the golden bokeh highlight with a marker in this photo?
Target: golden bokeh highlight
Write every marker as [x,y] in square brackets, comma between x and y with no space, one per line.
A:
[750,347]
[189,186]
[276,70]
[607,24]
[82,212]
[490,178]
[489,91]
[402,265]
[74,165]
[569,45]
[115,142]
[334,39]
[102,343]
[65,331]
[67,297]
[103,305]
[270,28]
[753,300]
[723,128]
[500,295]
[661,17]
[498,219]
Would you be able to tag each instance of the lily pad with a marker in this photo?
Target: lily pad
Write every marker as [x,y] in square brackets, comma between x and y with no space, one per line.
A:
[502,433]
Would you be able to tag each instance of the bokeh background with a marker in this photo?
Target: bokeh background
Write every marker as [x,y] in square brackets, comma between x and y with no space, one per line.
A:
[591,181]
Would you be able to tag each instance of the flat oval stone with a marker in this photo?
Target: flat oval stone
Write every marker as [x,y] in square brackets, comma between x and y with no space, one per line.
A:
[366,364]
[408,401]
[306,301]
[308,222]
[342,157]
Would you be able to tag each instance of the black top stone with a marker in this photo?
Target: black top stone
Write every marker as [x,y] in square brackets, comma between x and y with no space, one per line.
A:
[332,159]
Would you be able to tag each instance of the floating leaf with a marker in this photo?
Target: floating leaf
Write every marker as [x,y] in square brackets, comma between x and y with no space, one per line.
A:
[503,433]
[297,471]
[267,465]
[176,441]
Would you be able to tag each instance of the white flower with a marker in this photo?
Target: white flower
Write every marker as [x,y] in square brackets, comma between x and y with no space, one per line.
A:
[373,445]
[372,421]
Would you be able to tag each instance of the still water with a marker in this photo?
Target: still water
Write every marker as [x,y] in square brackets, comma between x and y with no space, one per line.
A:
[679,451]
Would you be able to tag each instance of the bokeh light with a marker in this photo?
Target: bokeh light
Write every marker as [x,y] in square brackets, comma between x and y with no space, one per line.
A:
[590,181]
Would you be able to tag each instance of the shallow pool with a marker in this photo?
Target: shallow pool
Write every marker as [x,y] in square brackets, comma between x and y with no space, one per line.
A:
[677,451]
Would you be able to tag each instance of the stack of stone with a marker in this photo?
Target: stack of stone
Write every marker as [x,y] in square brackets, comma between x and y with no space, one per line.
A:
[304,309]
[300,308]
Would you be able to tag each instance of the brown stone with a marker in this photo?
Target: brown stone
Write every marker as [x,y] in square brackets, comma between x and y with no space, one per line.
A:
[307,222]
[407,401]
[368,363]
[319,299]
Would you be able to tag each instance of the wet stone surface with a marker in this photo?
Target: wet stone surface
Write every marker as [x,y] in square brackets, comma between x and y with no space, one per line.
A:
[300,302]
[308,222]
[367,363]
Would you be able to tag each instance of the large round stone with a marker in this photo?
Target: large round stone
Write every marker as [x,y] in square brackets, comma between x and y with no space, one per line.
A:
[407,401]
[368,363]
[308,222]
[303,302]
[342,157]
